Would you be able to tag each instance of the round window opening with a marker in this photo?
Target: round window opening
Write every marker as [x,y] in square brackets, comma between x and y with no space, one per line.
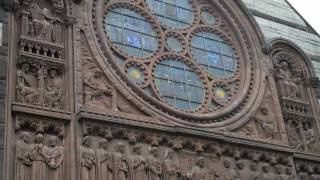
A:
[130,32]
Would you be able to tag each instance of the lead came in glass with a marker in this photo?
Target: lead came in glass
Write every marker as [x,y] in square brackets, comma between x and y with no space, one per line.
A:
[208,18]
[174,44]
[179,85]
[213,54]
[173,13]
[131,32]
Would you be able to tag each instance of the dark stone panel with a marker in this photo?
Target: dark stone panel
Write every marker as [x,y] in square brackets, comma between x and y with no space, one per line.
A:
[2,111]
[3,67]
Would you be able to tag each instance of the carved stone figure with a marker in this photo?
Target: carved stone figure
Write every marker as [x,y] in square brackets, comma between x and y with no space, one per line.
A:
[292,132]
[54,158]
[95,89]
[266,173]
[26,91]
[120,163]
[307,136]
[229,173]
[39,167]
[199,171]
[267,126]
[154,168]
[54,90]
[287,82]
[88,159]
[138,164]
[243,173]
[254,174]
[170,170]
[104,166]
[289,175]
[23,158]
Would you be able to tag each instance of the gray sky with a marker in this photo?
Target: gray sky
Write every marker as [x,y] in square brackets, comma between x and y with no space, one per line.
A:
[310,10]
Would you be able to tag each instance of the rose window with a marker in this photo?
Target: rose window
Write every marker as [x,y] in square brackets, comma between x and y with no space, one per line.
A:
[182,57]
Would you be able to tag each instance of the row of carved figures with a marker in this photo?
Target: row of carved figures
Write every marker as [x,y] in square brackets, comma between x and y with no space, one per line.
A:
[39,86]
[36,160]
[118,165]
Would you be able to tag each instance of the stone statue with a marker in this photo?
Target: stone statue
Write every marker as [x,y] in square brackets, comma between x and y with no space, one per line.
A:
[120,163]
[95,89]
[229,173]
[170,170]
[54,158]
[54,90]
[23,158]
[39,167]
[292,132]
[288,83]
[154,168]
[267,126]
[26,92]
[88,160]
[254,173]
[104,166]
[199,171]
[307,136]
[243,173]
[266,174]
[138,164]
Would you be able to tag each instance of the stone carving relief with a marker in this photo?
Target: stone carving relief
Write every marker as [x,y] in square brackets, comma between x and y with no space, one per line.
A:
[40,83]
[296,109]
[114,157]
[39,150]
[308,170]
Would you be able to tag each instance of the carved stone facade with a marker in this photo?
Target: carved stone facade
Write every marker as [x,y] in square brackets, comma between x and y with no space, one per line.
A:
[118,90]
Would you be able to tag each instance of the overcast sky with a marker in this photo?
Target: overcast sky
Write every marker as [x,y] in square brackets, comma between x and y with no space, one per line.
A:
[310,10]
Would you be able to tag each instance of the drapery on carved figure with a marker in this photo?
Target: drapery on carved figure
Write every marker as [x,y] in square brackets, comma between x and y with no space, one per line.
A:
[307,136]
[54,157]
[26,92]
[199,171]
[268,126]
[292,131]
[54,90]
[154,168]
[94,88]
[39,167]
[229,173]
[88,160]
[137,164]
[23,158]
[43,25]
[120,163]
[288,83]
[104,166]
[170,170]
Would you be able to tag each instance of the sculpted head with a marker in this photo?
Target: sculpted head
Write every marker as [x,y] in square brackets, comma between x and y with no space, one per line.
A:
[154,151]
[240,164]
[137,149]
[25,67]
[279,169]
[25,137]
[265,168]
[201,161]
[38,138]
[120,148]
[170,154]
[97,73]
[86,141]
[284,65]
[254,167]
[53,141]
[227,164]
[53,73]
[103,143]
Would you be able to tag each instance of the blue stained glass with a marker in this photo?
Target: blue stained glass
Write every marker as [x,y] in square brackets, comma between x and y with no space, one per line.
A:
[173,13]
[216,57]
[174,44]
[208,18]
[131,32]
[178,84]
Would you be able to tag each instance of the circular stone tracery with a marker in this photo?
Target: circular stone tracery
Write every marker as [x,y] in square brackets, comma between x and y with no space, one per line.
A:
[131,32]
[178,84]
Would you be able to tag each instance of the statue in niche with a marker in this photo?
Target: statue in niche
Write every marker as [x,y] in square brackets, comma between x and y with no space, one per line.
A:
[39,167]
[120,163]
[104,167]
[26,92]
[95,89]
[292,131]
[138,164]
[88,159]
[199,171]
[267,126]
[170,170]
[229,173]
[288,83]
[243,173]
[54,90]
[43,25]
[307,136]
[154,167]
[54,157]
[266,173]
[254,173]
[23,158]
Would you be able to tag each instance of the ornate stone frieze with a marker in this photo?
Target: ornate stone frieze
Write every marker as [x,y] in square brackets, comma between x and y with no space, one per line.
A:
[39,149]
[308,170]
[129,153]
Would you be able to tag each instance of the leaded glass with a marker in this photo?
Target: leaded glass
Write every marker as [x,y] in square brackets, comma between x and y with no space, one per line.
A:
[178,84]
[173,13]
[213,54]
[208,18]
[130,32]
[174,44]
[135,74]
